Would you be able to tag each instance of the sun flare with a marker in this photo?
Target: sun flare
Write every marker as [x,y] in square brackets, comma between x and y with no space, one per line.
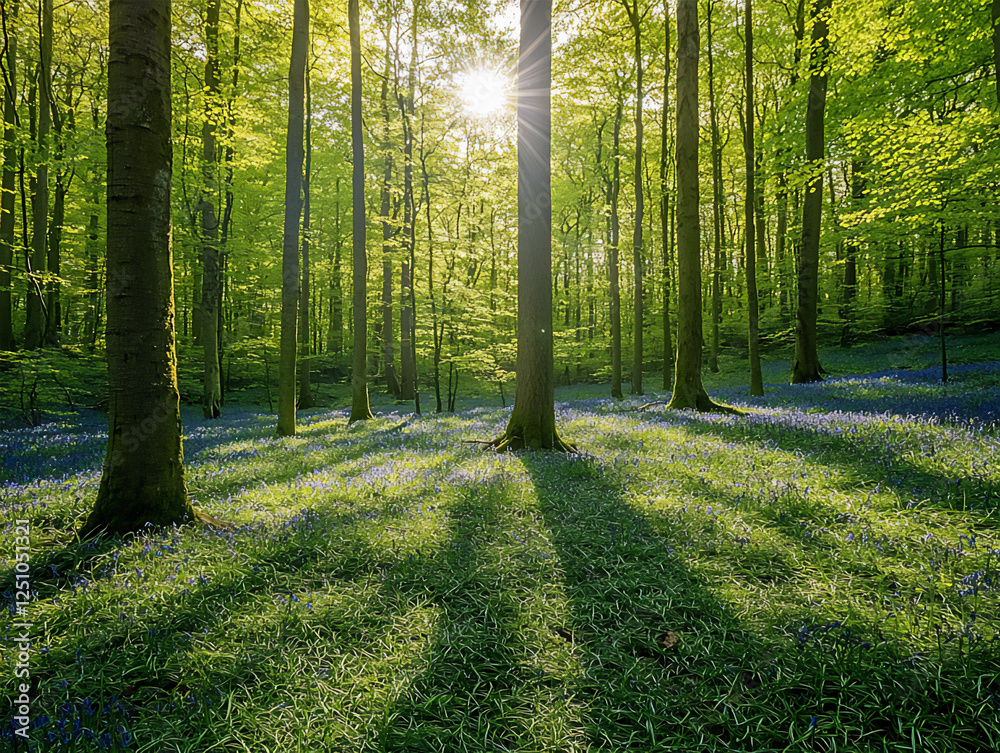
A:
[483,92]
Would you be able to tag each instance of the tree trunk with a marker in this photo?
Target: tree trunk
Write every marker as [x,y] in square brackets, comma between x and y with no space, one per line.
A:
[9,67]
[616,302]
[995,20]
[143,476]
[806,367]
[668,356]
[713,354]
[210,279]
[688,390]
[335,334]
[637,302]
[305,387]
[407,294]
[294,157]
[851,248]
[753,307]
[532,422]
[360,408]
[37,313]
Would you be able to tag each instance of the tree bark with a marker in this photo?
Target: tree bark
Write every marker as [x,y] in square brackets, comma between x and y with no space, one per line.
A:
[210,278]
[360,407]
[143,476]
[37,312]
[668,356]
[613,252]
[9,66]
[995,20]
[305,400]
[688,390]
[806,366]
[637,301]
[407,309]
[388,215]
[713,354]
[753,306]
[532,421]
[335,334]
[294,157]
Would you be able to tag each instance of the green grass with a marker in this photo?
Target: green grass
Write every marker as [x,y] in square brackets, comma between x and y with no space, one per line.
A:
[832,578]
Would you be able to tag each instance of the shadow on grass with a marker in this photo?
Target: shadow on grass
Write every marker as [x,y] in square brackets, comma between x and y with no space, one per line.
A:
[865,459]
[723,687]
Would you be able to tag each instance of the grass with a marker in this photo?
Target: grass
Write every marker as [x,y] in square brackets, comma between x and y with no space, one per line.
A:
[819,574]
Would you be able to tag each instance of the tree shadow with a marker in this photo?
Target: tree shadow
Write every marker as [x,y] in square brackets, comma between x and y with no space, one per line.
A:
[722,686]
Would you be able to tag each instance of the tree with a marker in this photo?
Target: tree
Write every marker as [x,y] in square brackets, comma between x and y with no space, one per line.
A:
[37,314]
[532,422]
[294,156]
[753,305]
[143,476]
[360,408]
[9,65]
[806,367]
[211,273]
[635,19]
[688,390]
[305,385]
[665,223]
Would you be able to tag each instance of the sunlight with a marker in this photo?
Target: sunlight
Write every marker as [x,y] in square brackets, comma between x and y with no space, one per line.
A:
[483,92]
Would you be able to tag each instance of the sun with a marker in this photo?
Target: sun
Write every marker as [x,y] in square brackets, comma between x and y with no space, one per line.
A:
[483,92]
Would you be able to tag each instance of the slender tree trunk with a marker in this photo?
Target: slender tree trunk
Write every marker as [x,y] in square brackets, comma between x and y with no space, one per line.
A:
[360,408]
[850,290]
[290,272]
[753,307]
[335,335]
[637,291]
[407,311]
[941,301]
[713,357]
[532,422]
[616,302]
[143,477]
[806,367]
[688,390]
[210,279]
[668,355]
[388,214]
[7,196]
[305,387]
[37,314]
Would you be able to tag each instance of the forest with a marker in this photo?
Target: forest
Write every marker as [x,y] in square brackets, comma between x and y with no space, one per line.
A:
[480,375]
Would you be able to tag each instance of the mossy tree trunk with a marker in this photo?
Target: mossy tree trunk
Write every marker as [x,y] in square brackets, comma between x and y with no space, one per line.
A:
[532,421]
[360,407]
[688,389]
[143,477]
[290,271]
[806,366]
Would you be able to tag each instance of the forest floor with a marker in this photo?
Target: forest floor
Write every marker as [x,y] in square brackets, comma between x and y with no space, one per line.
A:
[819,573]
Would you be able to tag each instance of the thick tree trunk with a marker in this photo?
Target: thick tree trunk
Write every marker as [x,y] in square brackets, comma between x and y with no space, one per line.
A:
[637,291]
[616,300]
[360,407]
[210,278]
[532,422]
[688,390]
[37,314]
[305,400]
[806,367]
[9,67]
[294,157]
[668,355]
[713,353]
[143,477]
[753,307]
